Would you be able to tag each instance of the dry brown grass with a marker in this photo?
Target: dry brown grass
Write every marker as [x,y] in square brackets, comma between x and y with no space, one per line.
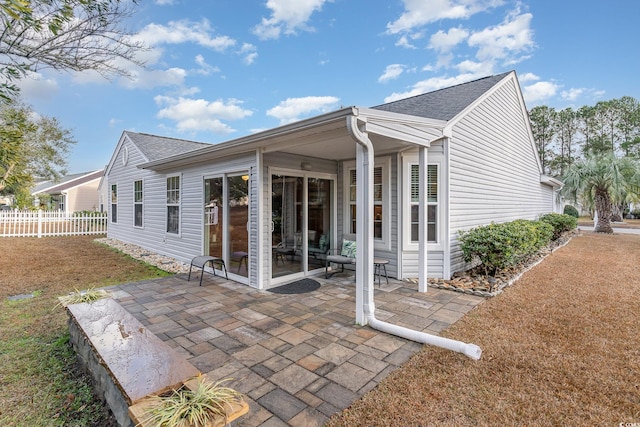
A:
[39,384]
[560,347]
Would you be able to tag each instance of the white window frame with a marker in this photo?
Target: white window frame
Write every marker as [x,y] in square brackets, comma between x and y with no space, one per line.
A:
[112,203]
[177,204]
[408,244]
[383,243]
[136,203]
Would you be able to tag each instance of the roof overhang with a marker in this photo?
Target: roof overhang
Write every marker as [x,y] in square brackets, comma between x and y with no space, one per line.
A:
[551,182]
[325,136]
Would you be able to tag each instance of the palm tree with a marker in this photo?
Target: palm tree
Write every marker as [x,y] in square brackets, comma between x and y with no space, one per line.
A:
[603,179]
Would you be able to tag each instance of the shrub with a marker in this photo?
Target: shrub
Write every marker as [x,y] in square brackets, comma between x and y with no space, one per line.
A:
[570,210]
[498,246]
[560,223]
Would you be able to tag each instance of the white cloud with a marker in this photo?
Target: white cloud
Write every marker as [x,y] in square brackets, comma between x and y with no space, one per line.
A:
[184,31]
[513,36]
[292,109]
[404,42]
[193,115]
[528,77]
[249,53]
[539,91]
[204,68]
[147,79]
[163,2]
[37,86]
[287,16]
[476,69]
[392,72]
[420,12]
[572,94]
[444,42]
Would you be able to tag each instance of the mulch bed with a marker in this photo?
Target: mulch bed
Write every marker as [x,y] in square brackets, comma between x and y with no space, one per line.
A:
[476,282]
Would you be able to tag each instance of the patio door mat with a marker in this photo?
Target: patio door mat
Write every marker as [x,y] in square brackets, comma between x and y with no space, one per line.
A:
[298,287]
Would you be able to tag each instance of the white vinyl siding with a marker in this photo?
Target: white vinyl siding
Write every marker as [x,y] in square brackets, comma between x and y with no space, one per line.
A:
[153,236]
[173,204]
[494,172]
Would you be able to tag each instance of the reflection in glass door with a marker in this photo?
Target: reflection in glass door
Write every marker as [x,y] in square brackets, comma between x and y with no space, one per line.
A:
[319,227]
[226,216]
[301,224]
[213,218]
[238,208]
[286,232]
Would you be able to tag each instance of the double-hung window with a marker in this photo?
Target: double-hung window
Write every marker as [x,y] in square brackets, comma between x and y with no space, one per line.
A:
[114,203]
[137,203]
[432,203]
[173,204]
[381,202]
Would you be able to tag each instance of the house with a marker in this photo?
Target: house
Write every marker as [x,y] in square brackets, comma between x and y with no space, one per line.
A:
[404,177]
[71,193]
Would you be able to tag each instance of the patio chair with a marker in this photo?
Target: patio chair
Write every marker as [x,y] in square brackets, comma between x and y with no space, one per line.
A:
[202,261]
[285,249]
[346,255]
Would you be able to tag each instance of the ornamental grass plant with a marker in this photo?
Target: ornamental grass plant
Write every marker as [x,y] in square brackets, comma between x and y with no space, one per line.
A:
[195,407]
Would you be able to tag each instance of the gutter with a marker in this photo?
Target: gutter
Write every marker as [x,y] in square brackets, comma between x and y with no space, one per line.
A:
[365,303]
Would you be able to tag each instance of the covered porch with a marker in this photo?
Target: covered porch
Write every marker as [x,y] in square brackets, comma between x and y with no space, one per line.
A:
[317,150]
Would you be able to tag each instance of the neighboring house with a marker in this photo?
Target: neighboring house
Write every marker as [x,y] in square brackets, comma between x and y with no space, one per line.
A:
[72,193]
[404,176]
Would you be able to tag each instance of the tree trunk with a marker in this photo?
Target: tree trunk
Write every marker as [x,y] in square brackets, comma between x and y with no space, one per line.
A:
[603,207]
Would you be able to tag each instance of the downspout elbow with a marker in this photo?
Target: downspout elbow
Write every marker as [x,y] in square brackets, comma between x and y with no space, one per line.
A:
[470,350]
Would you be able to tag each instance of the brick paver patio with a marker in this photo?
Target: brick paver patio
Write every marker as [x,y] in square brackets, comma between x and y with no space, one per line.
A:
[297,358]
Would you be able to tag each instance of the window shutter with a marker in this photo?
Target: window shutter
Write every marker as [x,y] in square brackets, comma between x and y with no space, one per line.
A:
[415,183]
[377,184]
[432,183]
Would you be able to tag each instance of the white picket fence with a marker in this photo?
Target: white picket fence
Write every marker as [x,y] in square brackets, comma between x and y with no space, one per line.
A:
[24,223]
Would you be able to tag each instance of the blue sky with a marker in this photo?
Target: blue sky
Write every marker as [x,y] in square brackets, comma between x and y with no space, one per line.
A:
[218,70]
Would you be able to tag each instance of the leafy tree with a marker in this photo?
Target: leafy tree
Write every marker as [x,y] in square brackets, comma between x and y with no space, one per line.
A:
[587,127]
[75,35]
[630,126]
[542,127]
[566,128]
[605,180]
[30,146]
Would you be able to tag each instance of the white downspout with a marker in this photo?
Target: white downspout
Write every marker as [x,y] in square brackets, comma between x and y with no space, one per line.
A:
[364,283]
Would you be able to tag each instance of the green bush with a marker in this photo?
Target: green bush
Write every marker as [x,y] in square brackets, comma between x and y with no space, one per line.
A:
[499,246]
[570,210]
[560,223]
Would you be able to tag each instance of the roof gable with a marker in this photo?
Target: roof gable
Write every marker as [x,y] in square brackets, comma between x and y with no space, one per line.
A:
[159,147]
[446,103]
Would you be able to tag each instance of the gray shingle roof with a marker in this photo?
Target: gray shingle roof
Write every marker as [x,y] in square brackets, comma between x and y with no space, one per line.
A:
[160,147]
[443,104]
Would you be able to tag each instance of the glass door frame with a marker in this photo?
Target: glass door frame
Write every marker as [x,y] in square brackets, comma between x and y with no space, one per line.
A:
[305,175]
[226,253]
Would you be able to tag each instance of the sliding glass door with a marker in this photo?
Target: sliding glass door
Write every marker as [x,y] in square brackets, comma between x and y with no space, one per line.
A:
[226,218]
[301,223]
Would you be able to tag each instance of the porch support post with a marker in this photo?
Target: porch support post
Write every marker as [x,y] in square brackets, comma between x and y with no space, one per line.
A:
[364,233]
[422,228]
